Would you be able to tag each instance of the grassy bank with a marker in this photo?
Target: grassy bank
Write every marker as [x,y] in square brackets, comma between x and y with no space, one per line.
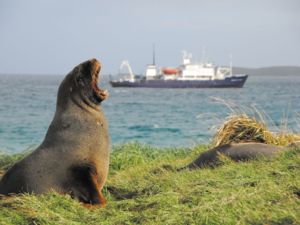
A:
[144,187]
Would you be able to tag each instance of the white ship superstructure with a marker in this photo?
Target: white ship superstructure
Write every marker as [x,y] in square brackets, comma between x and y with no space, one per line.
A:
[201,71]
[151,72]
[187,75]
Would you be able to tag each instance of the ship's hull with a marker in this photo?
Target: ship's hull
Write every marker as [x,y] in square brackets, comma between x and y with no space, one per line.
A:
[230,82]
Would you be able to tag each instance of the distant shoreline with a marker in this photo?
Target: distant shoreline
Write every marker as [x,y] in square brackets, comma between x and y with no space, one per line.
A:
[262,71]
[269,71]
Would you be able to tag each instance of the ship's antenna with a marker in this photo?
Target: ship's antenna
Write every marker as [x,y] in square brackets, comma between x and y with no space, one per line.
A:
[203,55]
[230,64]
[153,53]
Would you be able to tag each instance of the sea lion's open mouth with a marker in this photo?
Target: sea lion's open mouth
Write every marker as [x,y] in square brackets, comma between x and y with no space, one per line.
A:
[98,93]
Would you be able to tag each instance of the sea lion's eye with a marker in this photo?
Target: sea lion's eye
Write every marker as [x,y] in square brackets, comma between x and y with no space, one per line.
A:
[79,80]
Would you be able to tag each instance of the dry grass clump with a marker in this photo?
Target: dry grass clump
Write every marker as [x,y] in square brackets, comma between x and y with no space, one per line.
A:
[242,128]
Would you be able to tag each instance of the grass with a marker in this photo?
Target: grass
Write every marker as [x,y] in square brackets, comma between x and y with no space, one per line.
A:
[144,187]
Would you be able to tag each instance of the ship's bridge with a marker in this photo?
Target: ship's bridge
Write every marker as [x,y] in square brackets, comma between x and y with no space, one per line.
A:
[198,72]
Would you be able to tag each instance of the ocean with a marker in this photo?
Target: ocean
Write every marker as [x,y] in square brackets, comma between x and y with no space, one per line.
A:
[158,117]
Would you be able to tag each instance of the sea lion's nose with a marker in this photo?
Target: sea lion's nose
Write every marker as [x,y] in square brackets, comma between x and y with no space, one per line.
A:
[95,63]
[95,66]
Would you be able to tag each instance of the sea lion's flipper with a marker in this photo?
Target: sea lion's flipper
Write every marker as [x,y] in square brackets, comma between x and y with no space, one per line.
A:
[85,187]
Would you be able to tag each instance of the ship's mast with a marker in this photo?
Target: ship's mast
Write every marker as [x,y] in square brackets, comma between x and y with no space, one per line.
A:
[153,52]
[151,71]
[203,55]
[231,64]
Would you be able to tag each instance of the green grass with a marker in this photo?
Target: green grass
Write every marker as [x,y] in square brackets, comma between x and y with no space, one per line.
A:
[144,187]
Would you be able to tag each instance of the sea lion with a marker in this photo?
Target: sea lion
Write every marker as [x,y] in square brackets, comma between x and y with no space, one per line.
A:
[236,152]
[295,144]
[74,156]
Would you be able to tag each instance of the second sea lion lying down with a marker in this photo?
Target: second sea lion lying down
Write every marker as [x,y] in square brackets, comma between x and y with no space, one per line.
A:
[236,152]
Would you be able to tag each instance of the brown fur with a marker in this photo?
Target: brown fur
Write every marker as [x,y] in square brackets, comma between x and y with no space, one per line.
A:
[236,152]
[74,156]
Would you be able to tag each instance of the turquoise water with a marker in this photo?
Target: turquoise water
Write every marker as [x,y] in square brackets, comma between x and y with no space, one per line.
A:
[160,117]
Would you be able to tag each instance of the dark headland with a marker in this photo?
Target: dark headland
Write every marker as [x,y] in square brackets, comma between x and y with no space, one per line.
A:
[272,70]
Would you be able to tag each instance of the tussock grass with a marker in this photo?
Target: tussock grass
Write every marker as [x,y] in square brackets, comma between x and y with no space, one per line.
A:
[242,128]
[144,187]
[250,125]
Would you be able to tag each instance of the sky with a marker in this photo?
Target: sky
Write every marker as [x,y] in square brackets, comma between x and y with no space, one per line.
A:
[52,36]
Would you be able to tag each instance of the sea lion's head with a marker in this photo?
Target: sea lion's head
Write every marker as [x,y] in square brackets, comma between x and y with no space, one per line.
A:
[81,85]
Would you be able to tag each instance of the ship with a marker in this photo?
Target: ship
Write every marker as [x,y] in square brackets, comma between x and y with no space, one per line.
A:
[188,74]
